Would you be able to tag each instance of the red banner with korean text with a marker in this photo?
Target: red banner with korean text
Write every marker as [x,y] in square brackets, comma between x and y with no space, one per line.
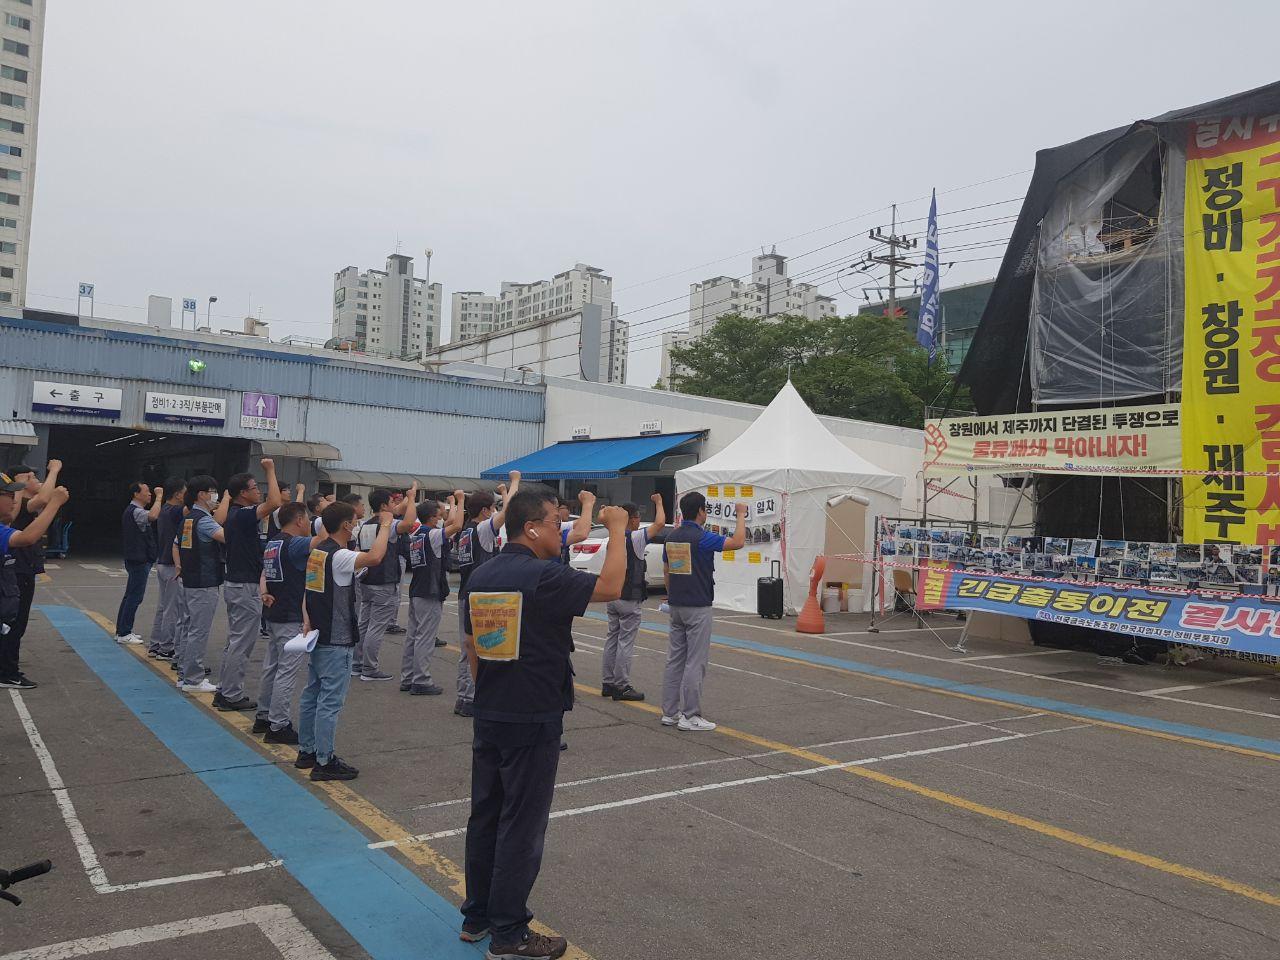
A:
[1231,338]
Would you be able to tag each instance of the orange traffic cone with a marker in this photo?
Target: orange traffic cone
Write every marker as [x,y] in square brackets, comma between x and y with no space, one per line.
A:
[810,619]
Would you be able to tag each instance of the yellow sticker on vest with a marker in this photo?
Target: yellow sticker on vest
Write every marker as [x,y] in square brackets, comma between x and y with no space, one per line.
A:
[188,531]
[680,559]
[315,571]
[495,624]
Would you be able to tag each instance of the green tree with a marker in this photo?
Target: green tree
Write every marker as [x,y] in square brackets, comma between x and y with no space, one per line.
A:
[866,367]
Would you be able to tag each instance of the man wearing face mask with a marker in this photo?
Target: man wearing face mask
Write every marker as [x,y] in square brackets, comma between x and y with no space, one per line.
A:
[198,552]
[518,611]
[378,593]
[246,510]
[429,586]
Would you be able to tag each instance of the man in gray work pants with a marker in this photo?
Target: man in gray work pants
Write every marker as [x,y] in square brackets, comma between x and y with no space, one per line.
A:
[202,604]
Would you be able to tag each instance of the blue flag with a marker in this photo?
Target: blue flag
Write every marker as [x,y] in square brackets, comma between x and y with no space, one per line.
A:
[926,331]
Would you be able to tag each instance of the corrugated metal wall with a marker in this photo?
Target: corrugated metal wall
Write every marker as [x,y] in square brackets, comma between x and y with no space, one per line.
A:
[381,419]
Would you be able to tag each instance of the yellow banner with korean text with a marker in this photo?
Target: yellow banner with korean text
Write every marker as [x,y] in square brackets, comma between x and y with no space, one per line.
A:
[1231,332]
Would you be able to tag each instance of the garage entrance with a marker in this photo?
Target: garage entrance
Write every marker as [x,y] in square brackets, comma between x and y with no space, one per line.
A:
[101,461]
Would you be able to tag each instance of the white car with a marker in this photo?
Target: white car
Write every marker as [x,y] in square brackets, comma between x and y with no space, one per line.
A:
[588,555]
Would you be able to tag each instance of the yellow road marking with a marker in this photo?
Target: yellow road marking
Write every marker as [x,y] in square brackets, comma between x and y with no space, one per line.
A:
[357,806]
[1005,816]
[1110,724]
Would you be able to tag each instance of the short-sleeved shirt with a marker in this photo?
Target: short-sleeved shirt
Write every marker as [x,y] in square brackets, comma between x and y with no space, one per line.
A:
[206,526]
[296,552]
[344,567]
[639,539]
[6,532]
[487,533]
[140,516]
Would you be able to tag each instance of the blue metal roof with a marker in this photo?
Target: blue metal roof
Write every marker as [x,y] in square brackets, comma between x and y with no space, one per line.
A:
[588,459]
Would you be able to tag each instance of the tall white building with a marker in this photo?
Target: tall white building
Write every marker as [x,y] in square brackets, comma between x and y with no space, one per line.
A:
[769,293]
[22,36]
[387,312]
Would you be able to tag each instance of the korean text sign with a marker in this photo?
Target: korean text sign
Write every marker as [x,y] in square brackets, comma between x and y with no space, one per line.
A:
[1231,331]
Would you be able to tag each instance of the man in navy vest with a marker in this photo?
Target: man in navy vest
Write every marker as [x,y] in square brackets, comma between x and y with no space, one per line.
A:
[198,547]
[29,559]
[329,607]
[477,544]
[284,564]
[624,613]
[378,592]
[689,568]
[167,522]
[138,536]
[427,552]
[246,510]
[12,540]
[518,611]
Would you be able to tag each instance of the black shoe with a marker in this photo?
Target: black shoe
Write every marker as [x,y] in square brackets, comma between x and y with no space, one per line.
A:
[440,643]
[395,628]
[162,657]
[173,664]
[285,734]
[534,946]
[18,682]
[608,689]
[463,708]
[305,761]
[627,693]
[260,725]
[564,744]
[225,705]
[404,686]
[335,769]
[425,690]
[473,932]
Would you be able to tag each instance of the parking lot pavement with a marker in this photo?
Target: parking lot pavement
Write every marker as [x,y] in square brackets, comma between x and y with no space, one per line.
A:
[894,794]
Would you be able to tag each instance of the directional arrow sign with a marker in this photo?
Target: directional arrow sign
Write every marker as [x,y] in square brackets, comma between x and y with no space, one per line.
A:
[259,411]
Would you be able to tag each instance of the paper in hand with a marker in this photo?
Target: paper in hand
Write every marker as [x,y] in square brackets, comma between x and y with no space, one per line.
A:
[303,642]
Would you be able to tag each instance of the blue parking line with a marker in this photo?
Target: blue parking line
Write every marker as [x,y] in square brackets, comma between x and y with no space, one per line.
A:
[390,912]
[992,693]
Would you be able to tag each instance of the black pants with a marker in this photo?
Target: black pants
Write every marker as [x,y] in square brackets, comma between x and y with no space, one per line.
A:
[513,778]
[11,643]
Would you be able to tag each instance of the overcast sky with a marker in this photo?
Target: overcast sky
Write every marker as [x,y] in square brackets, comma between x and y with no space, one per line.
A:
[249,150]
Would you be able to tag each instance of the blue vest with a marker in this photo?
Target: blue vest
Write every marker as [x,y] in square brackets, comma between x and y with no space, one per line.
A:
[331,609]
[697,588]
[430,579]
[537,688]
[139,545]
[285,582]
[167,525]
[244,548]
[201,561]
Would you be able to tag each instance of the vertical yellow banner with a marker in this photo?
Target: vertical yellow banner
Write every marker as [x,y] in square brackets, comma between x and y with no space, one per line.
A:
[1231,332]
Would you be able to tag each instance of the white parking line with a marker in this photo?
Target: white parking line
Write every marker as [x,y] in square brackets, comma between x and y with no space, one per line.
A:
[741,782]
[276,921]
[80,837]
[1210,683]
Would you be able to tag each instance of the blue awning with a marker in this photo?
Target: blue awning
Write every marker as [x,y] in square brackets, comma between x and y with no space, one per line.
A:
[589,459]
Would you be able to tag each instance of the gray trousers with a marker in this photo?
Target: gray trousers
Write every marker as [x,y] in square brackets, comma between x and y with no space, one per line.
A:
[687,656]
[279,675]
[180,627]
[466,685]
[202,604]
[244,621]
[420,641]
[165,626]
[377,605]
[620,644]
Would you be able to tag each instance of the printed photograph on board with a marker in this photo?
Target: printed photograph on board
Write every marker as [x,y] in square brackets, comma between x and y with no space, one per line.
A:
[1250,556]
[1057,545]
[1134,569]
[1187,553]
[888,548]
[1164,553]
[1084,548]
[1109,567]
[1166,572]
[1137,550]
[1192,573]
[991,541]
[1111,549]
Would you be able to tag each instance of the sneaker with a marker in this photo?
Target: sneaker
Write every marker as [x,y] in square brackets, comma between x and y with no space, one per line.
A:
[173,664]
[627,693]
[695,724]
[305,761]
[564,744]
[356,669]
[395,628]
[534,946]
[440,643]
[244,703]
[463,708]
[162,657]
[473,932]
[204,686]
[608,689]
[335,769]
[285,734]
[260,725]
[376,675]
[425,690]
[671,721]
[18,682]
[405,686]
[129,638]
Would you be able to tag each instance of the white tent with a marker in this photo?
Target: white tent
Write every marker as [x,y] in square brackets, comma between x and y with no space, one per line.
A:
[807,495]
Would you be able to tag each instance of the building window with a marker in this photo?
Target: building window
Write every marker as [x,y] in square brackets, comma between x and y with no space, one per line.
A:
[16,126]
[10,198]
[8,222]
[13,100]
[13,73]
[10,151]
[7,174]
[6,273]
[13,46]
[6,297]
[22,23]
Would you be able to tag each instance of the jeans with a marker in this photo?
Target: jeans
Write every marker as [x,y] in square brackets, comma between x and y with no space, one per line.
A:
[328,677]
[134,590]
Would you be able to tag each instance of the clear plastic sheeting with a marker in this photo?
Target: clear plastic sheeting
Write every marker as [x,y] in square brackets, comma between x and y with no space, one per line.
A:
[1108,276]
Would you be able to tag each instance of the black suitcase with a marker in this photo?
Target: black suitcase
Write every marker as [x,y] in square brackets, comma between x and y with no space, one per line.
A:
[769,594]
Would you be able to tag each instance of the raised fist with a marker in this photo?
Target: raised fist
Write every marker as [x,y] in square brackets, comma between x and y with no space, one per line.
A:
[614,518]
[586,497]
[54,466]
[267,463]
[60,495]
[739,509]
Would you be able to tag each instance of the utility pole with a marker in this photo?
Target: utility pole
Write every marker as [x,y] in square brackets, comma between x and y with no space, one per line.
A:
[891,259]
